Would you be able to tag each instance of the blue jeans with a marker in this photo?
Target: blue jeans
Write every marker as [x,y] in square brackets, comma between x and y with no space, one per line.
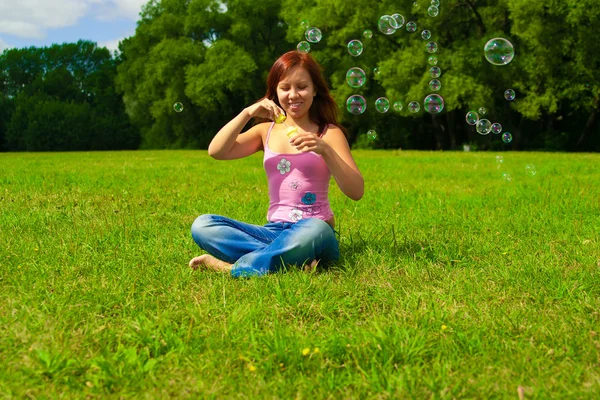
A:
[258,250]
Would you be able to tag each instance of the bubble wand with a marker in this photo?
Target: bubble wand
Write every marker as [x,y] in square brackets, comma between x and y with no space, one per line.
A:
[289,130]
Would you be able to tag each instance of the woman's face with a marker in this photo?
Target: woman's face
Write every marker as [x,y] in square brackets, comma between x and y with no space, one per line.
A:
[295,92]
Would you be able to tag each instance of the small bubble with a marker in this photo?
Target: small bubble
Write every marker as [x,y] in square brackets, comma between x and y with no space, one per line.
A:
[530,169]
[372,134]
[178,107]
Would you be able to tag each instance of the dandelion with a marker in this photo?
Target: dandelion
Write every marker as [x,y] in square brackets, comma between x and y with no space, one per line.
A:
[251,368]
[444,327]
[306,351]
[316,350]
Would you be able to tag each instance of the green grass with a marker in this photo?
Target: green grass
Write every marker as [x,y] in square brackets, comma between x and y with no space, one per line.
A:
[453,282]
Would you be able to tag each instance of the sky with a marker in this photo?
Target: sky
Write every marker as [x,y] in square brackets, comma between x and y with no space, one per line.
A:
[39,23]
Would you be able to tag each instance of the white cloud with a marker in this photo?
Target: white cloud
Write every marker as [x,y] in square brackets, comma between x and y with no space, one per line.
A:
[112,45]
[32,18]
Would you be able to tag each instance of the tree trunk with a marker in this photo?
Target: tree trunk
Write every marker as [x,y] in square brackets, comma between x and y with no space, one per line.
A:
[589,127]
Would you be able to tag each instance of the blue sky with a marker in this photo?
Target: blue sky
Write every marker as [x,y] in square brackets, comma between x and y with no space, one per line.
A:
[25,23]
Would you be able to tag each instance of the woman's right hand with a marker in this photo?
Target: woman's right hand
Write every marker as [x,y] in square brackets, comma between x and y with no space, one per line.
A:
[264,108]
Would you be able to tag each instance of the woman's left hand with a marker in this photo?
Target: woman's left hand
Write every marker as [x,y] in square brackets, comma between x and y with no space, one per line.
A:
[306,142]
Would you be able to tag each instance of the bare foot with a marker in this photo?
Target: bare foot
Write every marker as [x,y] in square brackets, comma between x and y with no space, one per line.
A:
[311,266]
[210,262]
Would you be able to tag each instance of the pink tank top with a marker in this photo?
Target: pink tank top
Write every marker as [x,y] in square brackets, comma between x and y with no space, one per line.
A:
[298,185]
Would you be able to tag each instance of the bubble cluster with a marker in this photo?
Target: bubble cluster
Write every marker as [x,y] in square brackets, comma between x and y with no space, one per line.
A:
[356,104]
[433,104]
[356,77]
[509,94]
[313,35]
[499,51]
[303,47]
[382,105]
[472,118]
[178,107]
[435,85]
[355,47]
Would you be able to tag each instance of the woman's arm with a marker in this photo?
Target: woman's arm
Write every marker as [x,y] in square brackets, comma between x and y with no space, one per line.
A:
[342,165]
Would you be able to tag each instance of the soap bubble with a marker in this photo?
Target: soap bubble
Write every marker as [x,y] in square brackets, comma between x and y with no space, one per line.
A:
[433,11]
[398,21]
[506,176]
[530,170]
[355,47]
[303,47]
[483,126]
[305,24]
[433,104]
[356,77]
[507,137]
[435,3]
[398,106]
[499,161]
[499,51]
[313,35]
[435,72]
[372,134]
[178,107]
[496,128]
[432,47]
[414,107]
[411,26]
[482,111]
[426,35]
[386,25]
[472,118]
[356,104]
[432,60]
[509,94]
[368,33]
[435,85]
[376,71]
[382,105]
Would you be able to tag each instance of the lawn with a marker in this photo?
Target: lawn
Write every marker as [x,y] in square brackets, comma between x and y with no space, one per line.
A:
[461,277]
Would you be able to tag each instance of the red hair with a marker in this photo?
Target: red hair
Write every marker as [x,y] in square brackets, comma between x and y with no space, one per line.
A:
[324,110]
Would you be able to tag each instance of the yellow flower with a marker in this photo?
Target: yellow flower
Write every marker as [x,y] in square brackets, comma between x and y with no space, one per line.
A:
[444,327]
[251,367]
[316,350]
[306,351]
[281,365]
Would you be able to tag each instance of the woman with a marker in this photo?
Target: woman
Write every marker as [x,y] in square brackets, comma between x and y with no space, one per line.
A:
[300,228]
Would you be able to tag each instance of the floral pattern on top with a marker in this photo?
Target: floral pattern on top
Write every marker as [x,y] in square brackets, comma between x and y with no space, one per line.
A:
[283,166]
[309,198]
[295,185]
[295,215]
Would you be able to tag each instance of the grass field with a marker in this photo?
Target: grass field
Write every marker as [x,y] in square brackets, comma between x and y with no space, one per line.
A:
[454,282]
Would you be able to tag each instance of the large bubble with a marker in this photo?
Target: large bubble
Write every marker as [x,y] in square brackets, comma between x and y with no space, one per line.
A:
[398,19]
[356,104]
[313,35]
[303,47]
[386,25]
[356,77]
[484,126]
[499,51]
[355,47]
[382,105]
[433,104]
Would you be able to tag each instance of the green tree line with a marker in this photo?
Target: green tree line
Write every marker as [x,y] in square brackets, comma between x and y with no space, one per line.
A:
[214,56]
